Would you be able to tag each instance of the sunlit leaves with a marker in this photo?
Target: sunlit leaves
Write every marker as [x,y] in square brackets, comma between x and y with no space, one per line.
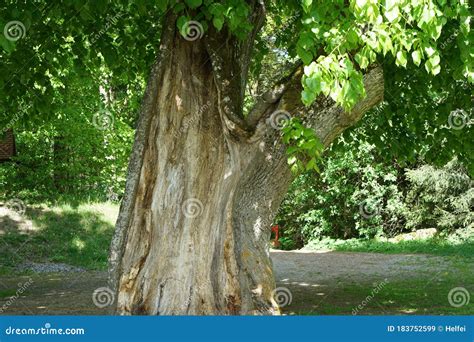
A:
[368,28]
[335,78]
[304,149]
[401,58]
[416,55]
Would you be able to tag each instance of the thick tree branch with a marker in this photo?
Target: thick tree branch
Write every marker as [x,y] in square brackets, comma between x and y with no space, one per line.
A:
[272,96]
[221,48]
[230,60]
[326,117]
[257,19]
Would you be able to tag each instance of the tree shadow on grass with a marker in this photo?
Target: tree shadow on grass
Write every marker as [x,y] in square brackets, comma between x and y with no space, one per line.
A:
[401,297]
[72,236]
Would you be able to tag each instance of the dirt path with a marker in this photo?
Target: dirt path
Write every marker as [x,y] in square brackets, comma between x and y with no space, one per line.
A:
[319,280]
[295,267]
[308,278]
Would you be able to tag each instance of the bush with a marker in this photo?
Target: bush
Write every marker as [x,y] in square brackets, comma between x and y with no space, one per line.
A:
[357,196]
[440,197]
[354,197]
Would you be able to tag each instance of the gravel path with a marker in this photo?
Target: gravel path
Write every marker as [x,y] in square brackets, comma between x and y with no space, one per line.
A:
[293,267]
[309,276]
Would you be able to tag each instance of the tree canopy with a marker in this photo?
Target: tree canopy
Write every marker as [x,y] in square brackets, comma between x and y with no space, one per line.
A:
[55,55]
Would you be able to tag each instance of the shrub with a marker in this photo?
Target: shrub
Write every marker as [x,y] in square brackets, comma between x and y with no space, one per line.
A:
[440,197]
[357,196]
[354,197]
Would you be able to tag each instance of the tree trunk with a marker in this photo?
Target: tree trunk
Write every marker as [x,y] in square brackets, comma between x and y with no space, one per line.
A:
[204,183]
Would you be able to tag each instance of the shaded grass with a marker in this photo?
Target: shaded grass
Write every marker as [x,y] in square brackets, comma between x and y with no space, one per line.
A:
[425,294]
[430,246]
[78,235]
[7,293]
[415,297]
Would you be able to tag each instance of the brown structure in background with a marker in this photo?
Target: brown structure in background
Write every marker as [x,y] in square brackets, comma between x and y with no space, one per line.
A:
[7,145]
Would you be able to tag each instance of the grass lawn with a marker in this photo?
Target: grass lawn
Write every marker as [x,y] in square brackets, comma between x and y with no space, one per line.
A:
[423,294]
[414,296]
[78,236]
[429,246]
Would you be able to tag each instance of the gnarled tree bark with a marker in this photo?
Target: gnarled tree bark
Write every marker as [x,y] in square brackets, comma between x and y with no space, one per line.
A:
[204,182]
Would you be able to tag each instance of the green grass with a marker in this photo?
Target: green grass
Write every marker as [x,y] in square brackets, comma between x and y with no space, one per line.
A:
[418,296]
[7,293]
[76,235]
[423,293]
[430,246]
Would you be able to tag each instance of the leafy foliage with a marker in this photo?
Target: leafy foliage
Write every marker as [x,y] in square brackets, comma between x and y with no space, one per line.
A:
[442,198]
[304,149]
[359,195]
[68,157]
[113,44]
[103,51]
[354,196]
[359,32]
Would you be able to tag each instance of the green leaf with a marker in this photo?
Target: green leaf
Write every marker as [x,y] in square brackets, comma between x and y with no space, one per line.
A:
[307,97]
[6,44]
[181,22]
[362,60]
[393,14]
[193,3]
[416,55]
[401,59]
[307,5]
[217,9]
[305,56]
[162,4]
[218,22]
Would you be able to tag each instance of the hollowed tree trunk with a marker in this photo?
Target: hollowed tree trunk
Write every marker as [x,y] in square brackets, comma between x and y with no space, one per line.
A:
[204,184]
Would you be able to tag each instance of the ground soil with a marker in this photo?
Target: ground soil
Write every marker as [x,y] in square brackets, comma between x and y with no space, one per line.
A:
[310,278]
